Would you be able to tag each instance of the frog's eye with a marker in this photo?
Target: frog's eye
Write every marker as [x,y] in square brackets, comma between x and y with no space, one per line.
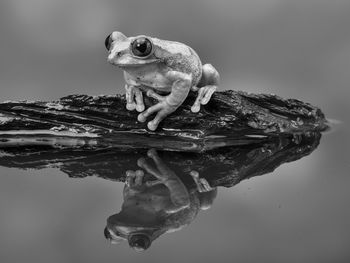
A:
[141,47]
[107,234]
[139,242]
[108,42]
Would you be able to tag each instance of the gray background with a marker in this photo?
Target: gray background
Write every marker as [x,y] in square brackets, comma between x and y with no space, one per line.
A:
[293,48]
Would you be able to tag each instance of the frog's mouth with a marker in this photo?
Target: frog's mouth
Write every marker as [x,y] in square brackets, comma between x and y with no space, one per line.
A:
[138,63]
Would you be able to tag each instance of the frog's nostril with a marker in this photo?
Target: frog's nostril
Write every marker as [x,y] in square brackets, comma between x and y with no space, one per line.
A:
[110,58]
[108,42]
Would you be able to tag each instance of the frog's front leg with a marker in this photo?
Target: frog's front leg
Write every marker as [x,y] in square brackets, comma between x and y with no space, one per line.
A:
[167,104]
[207,86]
[134,98]
[178,192]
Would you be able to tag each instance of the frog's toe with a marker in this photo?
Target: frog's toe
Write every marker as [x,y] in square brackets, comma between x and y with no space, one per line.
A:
[148,167]
[194,174]
[195,108]
[153,125]
[197,104]
[153,94]
[130,106]
[201,183]
[140,108]
[139,174]
[129,96]
[130,175]
[134,178]
[204,186]
[142,117]
[152,153]
[209,90]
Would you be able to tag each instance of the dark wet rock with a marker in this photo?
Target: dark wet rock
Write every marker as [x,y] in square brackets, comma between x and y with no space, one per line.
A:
[230,118]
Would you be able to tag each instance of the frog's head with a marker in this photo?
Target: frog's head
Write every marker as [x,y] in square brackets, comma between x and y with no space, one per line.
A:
[138,240]
[137,233]
[128,52]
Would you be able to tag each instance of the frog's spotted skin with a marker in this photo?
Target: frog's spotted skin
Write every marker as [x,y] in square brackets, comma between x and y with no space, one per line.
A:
[160,66]
[179,57]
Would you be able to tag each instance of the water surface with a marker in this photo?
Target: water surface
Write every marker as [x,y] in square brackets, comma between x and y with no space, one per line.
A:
[285,200]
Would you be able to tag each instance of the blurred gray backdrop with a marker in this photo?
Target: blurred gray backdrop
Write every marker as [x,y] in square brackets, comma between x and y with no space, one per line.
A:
[293,48]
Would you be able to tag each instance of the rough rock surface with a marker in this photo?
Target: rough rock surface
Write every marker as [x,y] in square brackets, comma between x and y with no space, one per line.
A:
[230,118]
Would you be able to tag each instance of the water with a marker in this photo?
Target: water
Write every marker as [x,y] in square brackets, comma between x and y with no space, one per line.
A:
[55,205]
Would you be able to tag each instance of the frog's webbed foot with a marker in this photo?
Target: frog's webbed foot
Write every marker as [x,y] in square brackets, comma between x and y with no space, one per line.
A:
[167,104]
[201,183]
[203,97]
[134,179]
[208,85]
[134,98]
[159,171]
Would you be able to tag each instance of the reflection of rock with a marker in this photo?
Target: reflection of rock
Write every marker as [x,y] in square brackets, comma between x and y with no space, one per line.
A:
[230,118]
[221,167]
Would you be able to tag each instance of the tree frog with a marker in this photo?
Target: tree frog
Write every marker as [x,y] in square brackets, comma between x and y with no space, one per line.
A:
[157,201]
[164,70]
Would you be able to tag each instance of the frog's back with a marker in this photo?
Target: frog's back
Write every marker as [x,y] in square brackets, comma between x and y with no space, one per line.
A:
[179,57]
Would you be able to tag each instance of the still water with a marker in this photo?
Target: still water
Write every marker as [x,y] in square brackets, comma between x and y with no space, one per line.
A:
[283,200]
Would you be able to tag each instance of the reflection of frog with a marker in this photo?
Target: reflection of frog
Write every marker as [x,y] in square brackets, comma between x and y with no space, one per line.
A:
[154,207]
[152,64]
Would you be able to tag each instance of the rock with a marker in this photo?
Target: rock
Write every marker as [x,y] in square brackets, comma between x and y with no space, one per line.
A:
[230,118]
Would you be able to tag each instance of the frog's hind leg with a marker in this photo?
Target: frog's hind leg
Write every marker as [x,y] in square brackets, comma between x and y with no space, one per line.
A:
[201,183]
[206,193]
[208,85]
[203,97]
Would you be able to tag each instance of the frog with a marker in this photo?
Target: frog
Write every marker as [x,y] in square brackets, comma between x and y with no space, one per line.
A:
[164,70]
[156,201]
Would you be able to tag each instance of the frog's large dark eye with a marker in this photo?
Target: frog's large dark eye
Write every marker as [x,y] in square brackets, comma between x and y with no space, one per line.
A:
[108,42]
[141,47]
[107,234]
[139,242]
